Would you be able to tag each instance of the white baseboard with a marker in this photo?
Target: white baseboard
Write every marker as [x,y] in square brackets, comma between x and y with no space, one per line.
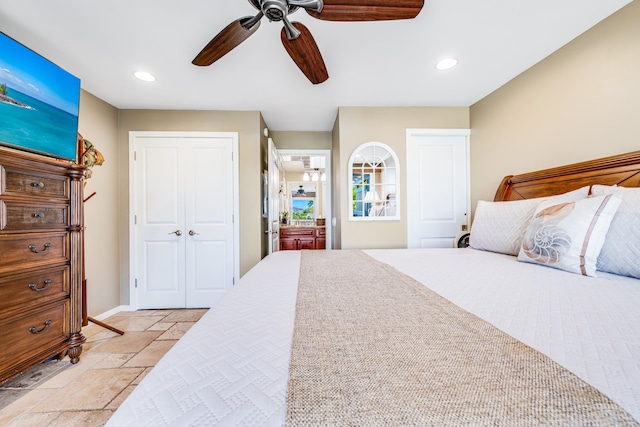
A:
[112,312]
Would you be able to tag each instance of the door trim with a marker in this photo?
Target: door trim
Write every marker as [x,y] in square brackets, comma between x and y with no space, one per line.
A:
[133,261]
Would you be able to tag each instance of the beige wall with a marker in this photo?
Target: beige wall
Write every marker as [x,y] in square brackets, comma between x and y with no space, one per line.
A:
[98,122]
[580,103]
[286,140]
[248,126]
[388,125]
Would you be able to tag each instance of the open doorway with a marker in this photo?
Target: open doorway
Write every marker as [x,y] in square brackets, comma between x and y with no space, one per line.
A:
[305,197]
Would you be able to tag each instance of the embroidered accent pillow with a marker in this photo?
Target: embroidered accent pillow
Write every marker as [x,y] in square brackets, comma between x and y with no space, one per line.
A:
[620,253]
[500,226]
[569,235]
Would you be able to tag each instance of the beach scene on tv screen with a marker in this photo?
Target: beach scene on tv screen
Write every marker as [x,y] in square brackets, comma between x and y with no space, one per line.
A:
[38,102]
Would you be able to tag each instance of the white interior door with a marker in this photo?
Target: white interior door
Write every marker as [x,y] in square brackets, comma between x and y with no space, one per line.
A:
[208,221]
[273,197]
[183,238]
[437,186]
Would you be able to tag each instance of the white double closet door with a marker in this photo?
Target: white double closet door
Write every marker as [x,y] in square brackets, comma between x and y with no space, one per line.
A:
[183,232]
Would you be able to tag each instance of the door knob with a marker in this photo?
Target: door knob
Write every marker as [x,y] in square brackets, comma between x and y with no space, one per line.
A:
[177,233]
[192,233]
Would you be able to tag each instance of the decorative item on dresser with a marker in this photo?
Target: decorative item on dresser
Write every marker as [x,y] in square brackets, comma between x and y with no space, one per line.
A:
[40,267]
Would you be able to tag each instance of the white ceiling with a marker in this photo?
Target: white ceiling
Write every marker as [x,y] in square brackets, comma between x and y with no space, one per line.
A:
[370,63]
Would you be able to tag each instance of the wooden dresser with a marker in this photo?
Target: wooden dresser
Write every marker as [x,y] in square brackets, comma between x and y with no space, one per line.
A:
[296,238]
[40,260]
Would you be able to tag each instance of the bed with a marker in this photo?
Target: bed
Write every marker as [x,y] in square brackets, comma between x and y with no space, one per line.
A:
[501,333]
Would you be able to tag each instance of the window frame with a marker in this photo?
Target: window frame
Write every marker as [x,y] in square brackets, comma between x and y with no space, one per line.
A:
[374,169]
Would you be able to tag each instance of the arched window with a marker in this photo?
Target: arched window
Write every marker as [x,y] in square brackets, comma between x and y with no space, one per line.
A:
[374,181]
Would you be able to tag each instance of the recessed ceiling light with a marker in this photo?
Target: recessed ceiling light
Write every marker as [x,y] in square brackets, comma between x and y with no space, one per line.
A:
[446,63]
[143,75]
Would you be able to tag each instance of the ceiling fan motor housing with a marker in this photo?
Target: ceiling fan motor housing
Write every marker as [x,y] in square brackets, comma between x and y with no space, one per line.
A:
[277,10]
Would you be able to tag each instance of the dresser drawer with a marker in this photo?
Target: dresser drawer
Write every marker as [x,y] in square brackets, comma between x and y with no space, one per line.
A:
[290,232]
[34,184]
[36,287]
[26,251]
[33,332]
[18,216]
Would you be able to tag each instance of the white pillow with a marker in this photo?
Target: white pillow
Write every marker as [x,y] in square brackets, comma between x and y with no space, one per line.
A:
[620,253]
[569,235]
[500,226]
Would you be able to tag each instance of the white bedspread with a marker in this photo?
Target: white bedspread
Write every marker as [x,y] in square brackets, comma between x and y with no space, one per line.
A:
[231,368]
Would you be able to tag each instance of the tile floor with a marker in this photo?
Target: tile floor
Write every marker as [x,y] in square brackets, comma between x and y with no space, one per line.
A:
[57,393]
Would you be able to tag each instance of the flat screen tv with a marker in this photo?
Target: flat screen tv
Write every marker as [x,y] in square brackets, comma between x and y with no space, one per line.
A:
[39,102]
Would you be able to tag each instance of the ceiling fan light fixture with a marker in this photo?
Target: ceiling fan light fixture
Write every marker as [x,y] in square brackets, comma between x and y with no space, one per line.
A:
[144,76]
[446,64]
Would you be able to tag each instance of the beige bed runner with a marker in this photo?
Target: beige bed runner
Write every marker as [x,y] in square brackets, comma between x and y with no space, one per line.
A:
[373,347]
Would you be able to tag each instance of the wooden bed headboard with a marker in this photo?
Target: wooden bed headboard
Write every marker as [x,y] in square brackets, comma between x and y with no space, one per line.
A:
[623,169]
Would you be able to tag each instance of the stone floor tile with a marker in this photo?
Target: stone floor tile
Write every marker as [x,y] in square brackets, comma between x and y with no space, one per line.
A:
[150,355]
[190,315]
[176,331]
[144,313]
[134,323]
[113,361]
[82,418]
[97,333]
[94,389]
[142,375]
[10,395]
[130,342]
[161,326]
[69,374]
[24,404]
[33,419]
[115,403]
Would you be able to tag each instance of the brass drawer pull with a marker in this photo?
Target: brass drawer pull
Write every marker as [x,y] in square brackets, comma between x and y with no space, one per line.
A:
[34,330]
[35,287]
[37,184]
[38,215]
[34,250]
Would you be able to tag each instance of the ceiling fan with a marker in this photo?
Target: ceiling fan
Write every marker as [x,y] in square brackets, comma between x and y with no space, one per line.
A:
[295,37]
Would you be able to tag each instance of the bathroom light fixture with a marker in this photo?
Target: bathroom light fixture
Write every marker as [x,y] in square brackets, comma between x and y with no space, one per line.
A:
[305,176]
[446,64]
[144,76]
[314,176]
[323,177]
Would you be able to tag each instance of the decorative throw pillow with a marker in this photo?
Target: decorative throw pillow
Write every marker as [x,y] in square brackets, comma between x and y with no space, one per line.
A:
[620,253]
[499,226]
[569,235]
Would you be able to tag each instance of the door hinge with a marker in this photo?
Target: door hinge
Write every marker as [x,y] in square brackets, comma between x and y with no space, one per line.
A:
[135,156]
[136,283]
[233,281]
[135,220]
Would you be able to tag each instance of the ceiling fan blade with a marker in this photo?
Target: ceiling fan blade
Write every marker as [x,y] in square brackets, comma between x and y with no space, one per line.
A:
[305,53]
[368,10]
[227,39]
